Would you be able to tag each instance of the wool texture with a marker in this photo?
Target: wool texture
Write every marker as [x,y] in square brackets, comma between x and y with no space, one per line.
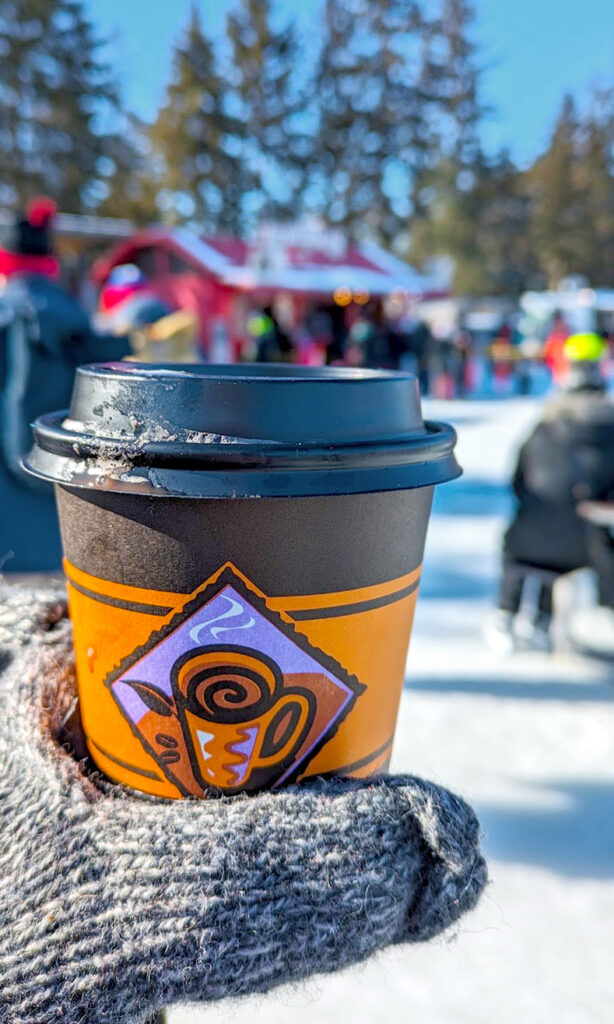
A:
[113,905]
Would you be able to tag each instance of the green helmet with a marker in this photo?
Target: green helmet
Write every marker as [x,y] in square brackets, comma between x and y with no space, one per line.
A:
[585,348]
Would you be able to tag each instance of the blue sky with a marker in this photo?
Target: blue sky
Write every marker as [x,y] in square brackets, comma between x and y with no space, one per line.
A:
[533,50]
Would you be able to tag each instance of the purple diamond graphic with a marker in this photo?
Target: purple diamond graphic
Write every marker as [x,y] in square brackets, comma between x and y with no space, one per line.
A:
[226,616]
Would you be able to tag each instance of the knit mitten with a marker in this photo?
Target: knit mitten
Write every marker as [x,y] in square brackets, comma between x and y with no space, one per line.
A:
[112,904]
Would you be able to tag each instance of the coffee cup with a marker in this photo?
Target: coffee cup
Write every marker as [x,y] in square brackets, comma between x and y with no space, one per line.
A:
[243,548]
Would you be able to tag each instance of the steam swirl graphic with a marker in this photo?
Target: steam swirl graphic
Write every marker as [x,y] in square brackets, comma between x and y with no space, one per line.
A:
[236,609]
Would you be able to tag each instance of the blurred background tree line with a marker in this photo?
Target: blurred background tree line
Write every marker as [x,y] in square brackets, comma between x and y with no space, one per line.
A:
[373,122]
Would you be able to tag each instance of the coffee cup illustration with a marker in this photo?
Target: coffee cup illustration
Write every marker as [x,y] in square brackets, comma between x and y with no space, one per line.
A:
[241,725]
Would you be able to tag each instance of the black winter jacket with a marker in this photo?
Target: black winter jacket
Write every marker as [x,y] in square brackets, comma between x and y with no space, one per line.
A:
[568,458]
[44,336]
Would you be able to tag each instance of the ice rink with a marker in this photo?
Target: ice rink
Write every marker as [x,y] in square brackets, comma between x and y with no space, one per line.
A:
[529,741]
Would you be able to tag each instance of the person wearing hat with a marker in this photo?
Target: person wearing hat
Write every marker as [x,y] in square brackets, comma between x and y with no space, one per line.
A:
[567,459]
[44,336]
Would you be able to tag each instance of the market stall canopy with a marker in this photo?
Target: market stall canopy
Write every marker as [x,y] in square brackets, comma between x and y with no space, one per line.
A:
[298,258]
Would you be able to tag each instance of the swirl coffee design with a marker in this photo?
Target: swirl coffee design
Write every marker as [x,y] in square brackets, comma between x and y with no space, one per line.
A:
[231,716]
[227,682]
[241,725]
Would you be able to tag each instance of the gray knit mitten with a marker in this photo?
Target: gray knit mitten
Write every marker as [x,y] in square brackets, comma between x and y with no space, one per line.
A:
[112,905]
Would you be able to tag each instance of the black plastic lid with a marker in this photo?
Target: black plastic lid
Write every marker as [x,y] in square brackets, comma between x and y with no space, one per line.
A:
[241,431]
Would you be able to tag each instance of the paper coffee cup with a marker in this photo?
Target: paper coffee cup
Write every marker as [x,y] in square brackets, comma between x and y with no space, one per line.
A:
[243,548]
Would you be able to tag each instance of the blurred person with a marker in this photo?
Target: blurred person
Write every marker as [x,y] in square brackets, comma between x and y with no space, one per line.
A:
[418,350]
[338,321]
[272,343]
[529,355]
[158,333]
[568,459]
[183,326]
[397,343]
[553,352]
[383,349]
[260,329]
[369,332]
[445,362]
[44,336]
[318,326]
[502,354]
[355,347]
[463,344]
[309,352]
[608,361]
[124,282]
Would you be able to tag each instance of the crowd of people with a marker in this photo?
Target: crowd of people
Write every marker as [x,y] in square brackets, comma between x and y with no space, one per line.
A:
[449,364]
[365,336]
[565,469]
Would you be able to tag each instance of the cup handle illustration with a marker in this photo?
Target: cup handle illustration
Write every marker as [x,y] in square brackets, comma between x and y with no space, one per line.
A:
[161,734]
[293,712]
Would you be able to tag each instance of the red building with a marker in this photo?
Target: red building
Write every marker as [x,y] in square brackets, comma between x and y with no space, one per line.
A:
[291,267]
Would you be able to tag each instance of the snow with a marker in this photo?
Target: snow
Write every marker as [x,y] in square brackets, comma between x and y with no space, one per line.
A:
[407,277]
[200,251]
[529,741]
[383,273]
[312,279]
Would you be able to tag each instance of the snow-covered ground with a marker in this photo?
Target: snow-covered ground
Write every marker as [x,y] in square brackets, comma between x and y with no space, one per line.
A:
[529,741]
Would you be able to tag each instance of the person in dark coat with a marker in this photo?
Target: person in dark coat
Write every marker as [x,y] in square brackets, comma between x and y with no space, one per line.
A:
[568,458]
[44,336]
[420,343]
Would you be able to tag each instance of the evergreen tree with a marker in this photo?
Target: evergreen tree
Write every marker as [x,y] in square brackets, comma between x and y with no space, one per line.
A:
[403,115]
[451,80]
[264,62]
[506,260]
[458,73]
[558,202]
[481,223]
[131,188]
[55,90]
[594,171]
[451,186]
[203,174]
[371,130]
[345,163]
